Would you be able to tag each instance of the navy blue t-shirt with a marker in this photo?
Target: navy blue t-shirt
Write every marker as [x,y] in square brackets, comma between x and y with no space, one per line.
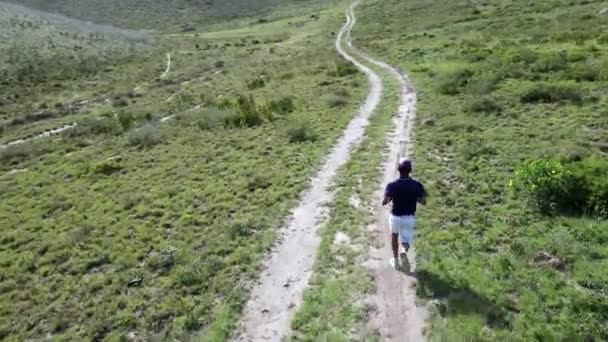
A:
[405,193]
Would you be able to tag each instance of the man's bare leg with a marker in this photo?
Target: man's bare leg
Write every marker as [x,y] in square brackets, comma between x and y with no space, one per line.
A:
[395,245]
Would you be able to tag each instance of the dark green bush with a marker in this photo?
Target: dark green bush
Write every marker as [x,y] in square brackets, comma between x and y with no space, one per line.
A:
[452,82]
[345,68]
[584,72]
[334,100]
[592,174]
[126,119]
[146,136]
[282,106]
[550,62]
[16,153]
[256,83]
[483,105]
[300,131]
[548,93]
[107,167]
[103,125]
[250,114]
[209,118]
[483,83]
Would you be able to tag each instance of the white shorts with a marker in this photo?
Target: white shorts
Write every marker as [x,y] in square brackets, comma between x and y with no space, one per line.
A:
[404,226]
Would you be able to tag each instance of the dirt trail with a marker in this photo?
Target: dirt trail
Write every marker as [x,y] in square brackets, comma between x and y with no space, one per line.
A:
[166,72]
[286,273]
[398,318]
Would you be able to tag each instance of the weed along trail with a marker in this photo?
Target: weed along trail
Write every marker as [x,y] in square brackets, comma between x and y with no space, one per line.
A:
[286,273]
[397,316]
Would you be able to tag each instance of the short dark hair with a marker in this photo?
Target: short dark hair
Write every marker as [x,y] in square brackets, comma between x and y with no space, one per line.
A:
[405,166]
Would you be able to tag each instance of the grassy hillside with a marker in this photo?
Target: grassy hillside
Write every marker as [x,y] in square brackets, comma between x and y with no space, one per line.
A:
[502,83]
[129,225]
[153,14]
[42,53]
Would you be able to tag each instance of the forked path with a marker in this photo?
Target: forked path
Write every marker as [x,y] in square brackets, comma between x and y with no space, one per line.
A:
[397,318]
[286,273]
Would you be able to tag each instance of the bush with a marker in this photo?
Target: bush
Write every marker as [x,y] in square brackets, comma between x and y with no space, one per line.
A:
[107,167]
[256,83]
[126,119]
[484,83]
[334,100]
[483,105]
[146,136]
[281,106]
[103,125]
[250,113]
[209,118]
[584,72]
[16,153]
[452,82]
[300,131]
[547,185]
[345,68]
[549,93]
[551,62]
[592,174]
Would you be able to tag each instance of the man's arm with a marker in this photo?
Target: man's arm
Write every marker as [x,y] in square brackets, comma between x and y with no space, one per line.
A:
[386,200]
[388,197]
[422,196]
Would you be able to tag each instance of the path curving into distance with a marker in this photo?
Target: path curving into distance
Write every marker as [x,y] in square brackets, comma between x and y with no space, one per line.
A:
[397,316]
[65,127]
[168,68]
[273,301]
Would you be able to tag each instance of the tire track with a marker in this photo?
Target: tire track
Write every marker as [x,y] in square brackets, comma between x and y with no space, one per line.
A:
[397,318]
[286,273]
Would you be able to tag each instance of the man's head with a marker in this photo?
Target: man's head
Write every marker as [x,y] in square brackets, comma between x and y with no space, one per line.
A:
[404,167]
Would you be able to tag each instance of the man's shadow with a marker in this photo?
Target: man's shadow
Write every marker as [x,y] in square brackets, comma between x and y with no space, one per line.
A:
[451,300]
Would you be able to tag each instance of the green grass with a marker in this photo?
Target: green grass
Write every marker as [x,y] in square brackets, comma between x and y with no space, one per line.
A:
[477,240]
[127,224]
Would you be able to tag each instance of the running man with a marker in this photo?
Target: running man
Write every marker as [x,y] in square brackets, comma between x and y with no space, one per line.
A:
[405,193]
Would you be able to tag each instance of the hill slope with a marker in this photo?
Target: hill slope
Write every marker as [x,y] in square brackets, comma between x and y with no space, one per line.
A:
[153,14]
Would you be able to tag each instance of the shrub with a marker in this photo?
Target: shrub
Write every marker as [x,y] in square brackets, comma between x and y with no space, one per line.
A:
[592,174]
[107,167]
[345,68]
[343,92]
[584,72]
[146,136]
[250,113]
[103,125]
[209,118]
[281,106]
[551,62]
[548,93]
[546,184]
[483,105]
[126,119]
[300,131]
[334,100]
[452,82]
[16,153]
[256,83]
[484,83]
